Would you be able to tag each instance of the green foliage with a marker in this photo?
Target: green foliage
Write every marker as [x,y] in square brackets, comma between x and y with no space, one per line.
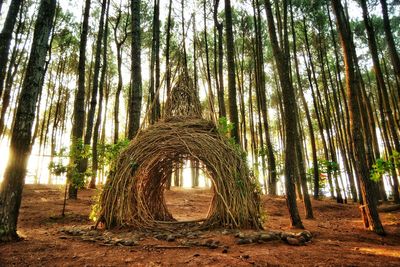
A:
[57,168]
[224,126]
[109,152]
[324,166]
[95,210]
[77,152]
[383,166]
[328,167]
[310,177]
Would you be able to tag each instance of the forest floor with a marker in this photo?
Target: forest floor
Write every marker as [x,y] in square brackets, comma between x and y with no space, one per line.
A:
[338,236]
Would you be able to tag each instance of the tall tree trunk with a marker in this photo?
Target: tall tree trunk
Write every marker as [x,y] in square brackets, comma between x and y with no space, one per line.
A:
[353,96]
[259,56]
[118,43]
[220,92]
[209,86]
[299,154]
[289,101]
[95,87]
[14,175]
[78,118]
[95,160]
[15,60]
[135,94]
[394,56]
[230,56]
[154,99]
[382,89]
[6,37]
[167,50]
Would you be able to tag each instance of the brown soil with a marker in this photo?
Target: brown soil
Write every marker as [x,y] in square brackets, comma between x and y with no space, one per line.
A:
[338,236]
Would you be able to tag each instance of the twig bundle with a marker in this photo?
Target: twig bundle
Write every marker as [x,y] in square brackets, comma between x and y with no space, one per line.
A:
[133,194]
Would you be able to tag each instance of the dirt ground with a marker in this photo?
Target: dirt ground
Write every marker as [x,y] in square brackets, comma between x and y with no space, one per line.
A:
[338,236]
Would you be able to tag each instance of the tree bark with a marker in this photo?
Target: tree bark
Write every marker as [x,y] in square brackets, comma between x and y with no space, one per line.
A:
[220,93]
[291,136]
[95,160]
[119,41]
[78,119]
[394,56]
[14,175]
[382,89]
[135,95]
[230,56]
[6,37]
[353,96]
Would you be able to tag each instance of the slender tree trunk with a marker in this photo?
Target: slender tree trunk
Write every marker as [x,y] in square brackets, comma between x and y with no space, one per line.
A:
[118,43]
[95,160]
[6,37]
[167,51]
[209,86]
[135,95]
[272,178]
[78,121]
[394,56]
[353,95]
[219,26]
[382,89]
[291,137]
[299,151]
[95,87]
[230,55]
[154,99]
[14,175]
[15,60]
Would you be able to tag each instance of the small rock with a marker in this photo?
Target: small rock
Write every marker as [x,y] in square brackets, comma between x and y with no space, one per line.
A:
[93,233]
[63,237]
[225,250]
[225,232]
[88,239]
[240,235]
[170,238]
[99,238]
[210,243]
[117,241]
[286,235]
[129,243]
[293,241]
[306,235]
[243,241]
[266,237]
[196,255]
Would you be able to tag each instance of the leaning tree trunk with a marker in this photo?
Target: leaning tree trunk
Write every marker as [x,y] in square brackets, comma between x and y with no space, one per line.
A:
[14,175]
[353,96]
[6,37]
[394,56]
[289,101]
[382,89]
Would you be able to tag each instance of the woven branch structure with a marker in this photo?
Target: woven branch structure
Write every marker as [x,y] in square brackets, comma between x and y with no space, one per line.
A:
[134,192]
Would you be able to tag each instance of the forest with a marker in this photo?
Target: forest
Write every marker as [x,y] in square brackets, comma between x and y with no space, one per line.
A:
[199,132]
